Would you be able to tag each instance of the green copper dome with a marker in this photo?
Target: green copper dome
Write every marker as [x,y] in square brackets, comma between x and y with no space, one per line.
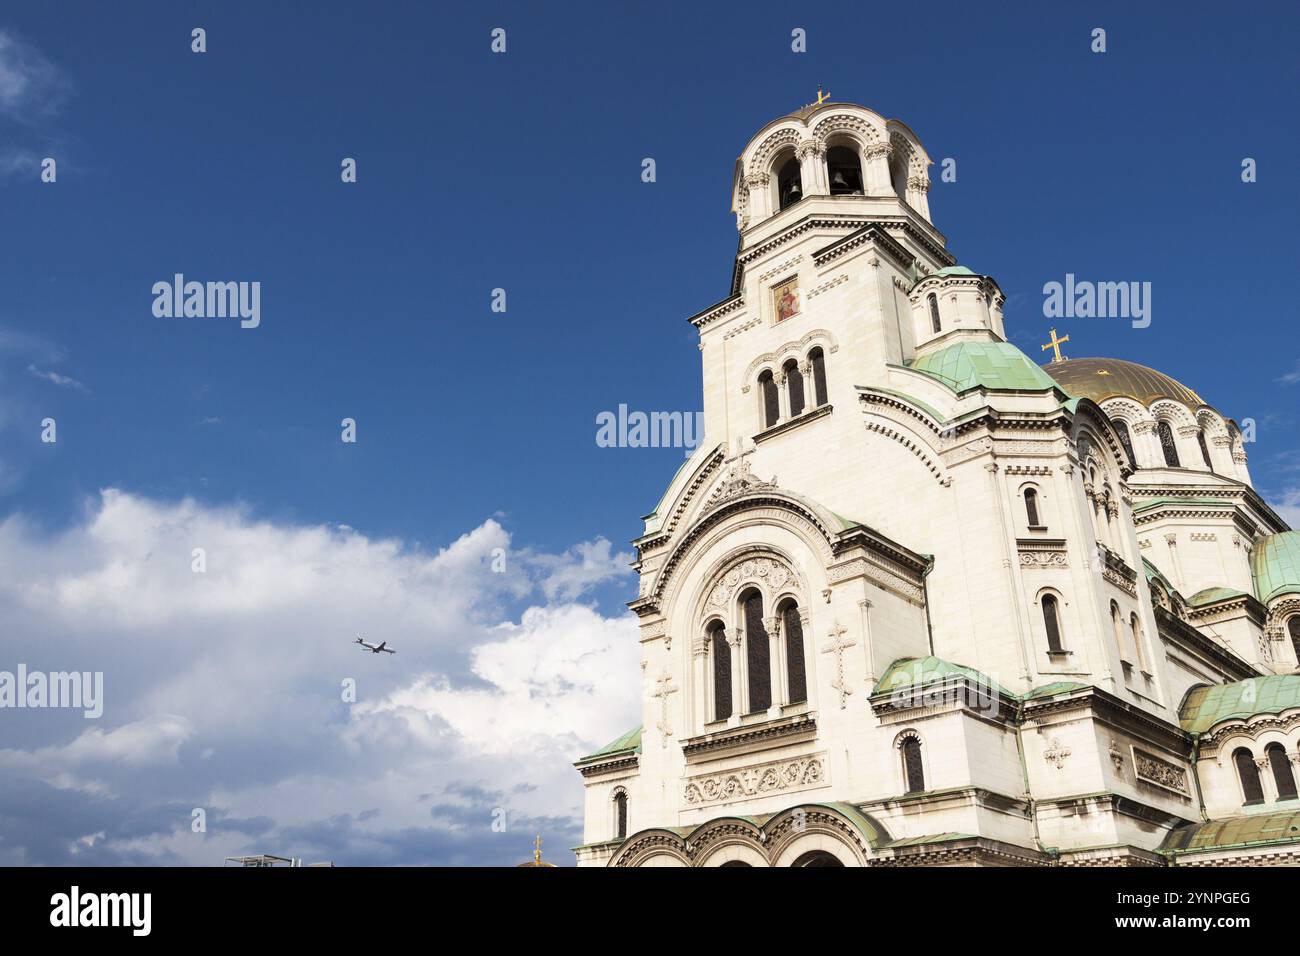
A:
[993,365]
[1207,705]
[1275,563]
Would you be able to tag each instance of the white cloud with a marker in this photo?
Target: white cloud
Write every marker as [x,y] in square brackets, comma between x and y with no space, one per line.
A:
[1291,377]
[1288,506]
[54,378]
[222,689]
[30,85]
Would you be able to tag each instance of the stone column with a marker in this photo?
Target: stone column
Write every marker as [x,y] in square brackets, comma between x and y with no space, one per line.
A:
[776,667]
[783,391]
[702,698]
[739,685]
[875,170]
[812,168]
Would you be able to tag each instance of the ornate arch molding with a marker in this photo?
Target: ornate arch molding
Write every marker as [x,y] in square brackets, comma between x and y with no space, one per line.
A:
[759,565]
[786,832]
[767,502]
[858,128]
[1176,413]
[760,162]
[789,350]
[778,840]
[1278,615]
[1091,421]
[639,847]
[1129,412]
[1252,731]
[1212,423]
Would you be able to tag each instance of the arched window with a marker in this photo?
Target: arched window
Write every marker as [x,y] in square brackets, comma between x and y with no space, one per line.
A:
[1117,623]
[792,630]
[1282,776]
[720,651]
[1205,449]
[1052,622]
[794,387]
[1126,440]
[789,183]
[620,814]
[1293,626]
[934,314]
[818,361]
[913,774]
[757,652]
[771,400]
[1251,788]
[843,171]
[1031,508]
[1136,629]
[817,858]
[1167,444]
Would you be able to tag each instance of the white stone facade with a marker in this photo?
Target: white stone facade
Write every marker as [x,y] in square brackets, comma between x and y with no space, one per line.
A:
[884,512]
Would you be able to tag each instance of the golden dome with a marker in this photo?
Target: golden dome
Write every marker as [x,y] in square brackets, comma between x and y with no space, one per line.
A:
[1102,378]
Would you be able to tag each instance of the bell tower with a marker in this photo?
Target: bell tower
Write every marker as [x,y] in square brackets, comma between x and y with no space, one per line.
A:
[840,272]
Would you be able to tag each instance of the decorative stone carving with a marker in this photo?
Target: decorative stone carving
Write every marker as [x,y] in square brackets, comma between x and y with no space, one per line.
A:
[1161,773]
[1056,753]
[837,646]
[802,773]
[736,481]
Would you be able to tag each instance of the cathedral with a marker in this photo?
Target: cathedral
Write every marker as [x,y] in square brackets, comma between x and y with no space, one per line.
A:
[918,600]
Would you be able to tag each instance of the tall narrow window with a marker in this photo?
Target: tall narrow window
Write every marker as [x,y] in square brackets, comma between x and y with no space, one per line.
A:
[794,387]
[934,314]
[818,360]
[1205,449]
[1293,626]
[796,677]
[620,814]
[1135,629]
[1126,440]
[771,401]
[1052,622]
[1031,507]
[1282,776]
[757,653]
[1251,788]
[720,651]
[1117,624]
[1167,444]
[912,769]
[789,184]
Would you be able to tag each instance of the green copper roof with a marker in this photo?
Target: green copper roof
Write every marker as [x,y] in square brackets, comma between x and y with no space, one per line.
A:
[920,671]
[955,271]
[1205,706]
[1256,829]
[1275,563]
[994,365]
[1214,595]
[1202,502]
[630,742]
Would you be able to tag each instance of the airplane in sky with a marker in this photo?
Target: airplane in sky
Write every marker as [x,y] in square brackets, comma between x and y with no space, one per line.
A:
[375,648]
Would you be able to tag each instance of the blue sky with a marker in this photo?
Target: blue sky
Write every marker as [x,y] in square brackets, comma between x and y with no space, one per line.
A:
[476,429]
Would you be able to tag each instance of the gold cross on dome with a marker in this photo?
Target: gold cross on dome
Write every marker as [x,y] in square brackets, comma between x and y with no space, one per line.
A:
[822,97]
[1055,346]
[537,849]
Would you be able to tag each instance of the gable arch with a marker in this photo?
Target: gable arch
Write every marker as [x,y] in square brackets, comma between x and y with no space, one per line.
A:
[766,506]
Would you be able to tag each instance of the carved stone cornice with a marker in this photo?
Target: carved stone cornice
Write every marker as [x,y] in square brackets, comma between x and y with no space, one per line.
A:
[725,743]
